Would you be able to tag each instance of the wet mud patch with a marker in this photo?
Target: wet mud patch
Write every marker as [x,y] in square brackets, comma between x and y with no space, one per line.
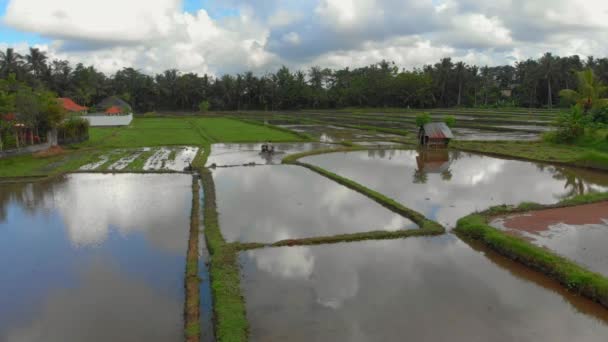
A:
[171,159]
[579,233]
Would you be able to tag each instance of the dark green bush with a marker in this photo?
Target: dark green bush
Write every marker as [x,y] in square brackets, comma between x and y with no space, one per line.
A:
[422,119]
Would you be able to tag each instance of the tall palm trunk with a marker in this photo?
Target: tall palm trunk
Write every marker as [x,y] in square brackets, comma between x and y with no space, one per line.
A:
[459,92]
[550,102]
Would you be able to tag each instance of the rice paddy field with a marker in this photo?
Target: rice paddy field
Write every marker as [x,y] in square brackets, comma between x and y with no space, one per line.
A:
[181,228]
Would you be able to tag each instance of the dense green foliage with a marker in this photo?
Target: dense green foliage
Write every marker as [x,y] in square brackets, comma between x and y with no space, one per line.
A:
[422,119]
[530,83]
[73,130]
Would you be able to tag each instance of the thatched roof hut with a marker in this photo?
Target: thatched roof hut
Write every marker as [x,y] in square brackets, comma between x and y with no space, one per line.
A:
[435,134]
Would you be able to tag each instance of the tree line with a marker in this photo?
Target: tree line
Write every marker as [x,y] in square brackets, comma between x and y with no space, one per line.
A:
[529,83]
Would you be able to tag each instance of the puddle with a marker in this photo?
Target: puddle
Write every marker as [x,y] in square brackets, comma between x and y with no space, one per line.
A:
[274,203]
[94,257]
[171,158]
[579,233]
[432,289]
[243,154]
[446,185]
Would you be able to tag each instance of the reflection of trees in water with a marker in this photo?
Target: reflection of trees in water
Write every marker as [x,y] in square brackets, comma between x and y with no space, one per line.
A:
[29,196]
[574,185]
[420,177]
[381,153]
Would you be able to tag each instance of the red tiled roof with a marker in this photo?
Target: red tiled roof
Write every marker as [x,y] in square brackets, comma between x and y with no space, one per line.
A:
[114,110]
[71,106]
[9,117]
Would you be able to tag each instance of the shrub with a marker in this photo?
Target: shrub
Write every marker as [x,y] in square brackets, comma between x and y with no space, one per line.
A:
[73,130]
[570,125]
[203,107]
[600,115]
[422,119]
[450,121]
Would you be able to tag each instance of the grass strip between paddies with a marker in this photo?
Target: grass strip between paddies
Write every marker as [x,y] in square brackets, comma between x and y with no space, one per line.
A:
[192,326]
[228,303]
[571,275]
[426,226]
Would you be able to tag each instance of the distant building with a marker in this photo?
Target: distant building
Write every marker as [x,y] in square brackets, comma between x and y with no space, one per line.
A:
[72,107]
[112,111]
[435,134]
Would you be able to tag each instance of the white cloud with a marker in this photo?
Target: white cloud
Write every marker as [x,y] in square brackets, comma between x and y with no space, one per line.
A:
[153,35]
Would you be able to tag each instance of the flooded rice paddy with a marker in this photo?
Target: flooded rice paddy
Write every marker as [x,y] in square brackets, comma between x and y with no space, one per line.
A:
[274,203]
[483,135]
[248,154]
[336,134]
[94,257]
[428,289]
[445,186]
[578,233]
[173,158]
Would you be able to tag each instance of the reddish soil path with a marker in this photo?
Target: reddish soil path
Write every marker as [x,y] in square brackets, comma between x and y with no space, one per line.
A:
[537,221]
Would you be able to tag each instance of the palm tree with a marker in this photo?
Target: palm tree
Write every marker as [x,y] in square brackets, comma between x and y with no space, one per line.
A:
[590,91]
[36,61]
[10,62]
[548,64]
[461,68]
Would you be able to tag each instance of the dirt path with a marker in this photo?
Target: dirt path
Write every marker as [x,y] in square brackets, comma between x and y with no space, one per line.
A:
[537,221]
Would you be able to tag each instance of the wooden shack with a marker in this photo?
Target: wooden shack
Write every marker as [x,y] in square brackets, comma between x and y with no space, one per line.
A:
[435,134]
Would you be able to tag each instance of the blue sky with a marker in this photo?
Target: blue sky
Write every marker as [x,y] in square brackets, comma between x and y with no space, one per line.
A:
[12,36]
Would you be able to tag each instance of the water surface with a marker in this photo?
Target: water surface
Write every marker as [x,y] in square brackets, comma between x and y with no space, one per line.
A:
[94,257]
[425,289]
[448,185]
[273,203]
[242,154]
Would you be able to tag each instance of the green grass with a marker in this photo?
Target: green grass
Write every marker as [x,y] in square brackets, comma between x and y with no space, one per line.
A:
[231,130]
[538,151]
[429,226]
[228,302]
[192,328]
[143,132]
[574,277]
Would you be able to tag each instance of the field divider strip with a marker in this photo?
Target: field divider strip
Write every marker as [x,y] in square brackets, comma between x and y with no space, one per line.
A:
[230,319]
[426,226]
[569,274]
[192,326]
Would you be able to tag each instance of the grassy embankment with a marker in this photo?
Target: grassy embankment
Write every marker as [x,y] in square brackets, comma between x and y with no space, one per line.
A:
[569,274]
[228,303]
[148,132]
[192,327]
[229,306]
[589,154]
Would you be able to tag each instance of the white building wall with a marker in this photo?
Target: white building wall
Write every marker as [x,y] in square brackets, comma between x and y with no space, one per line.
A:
[108,120]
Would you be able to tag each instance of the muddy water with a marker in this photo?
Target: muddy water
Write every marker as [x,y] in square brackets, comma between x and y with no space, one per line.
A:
[446,186]
[428,289]
[578,233]
[94,257]
[273,203]
[242,154]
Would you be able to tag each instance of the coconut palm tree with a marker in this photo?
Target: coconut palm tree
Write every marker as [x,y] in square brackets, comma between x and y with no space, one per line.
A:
[548,65]
[590,91]
[10,62]
[36,61]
